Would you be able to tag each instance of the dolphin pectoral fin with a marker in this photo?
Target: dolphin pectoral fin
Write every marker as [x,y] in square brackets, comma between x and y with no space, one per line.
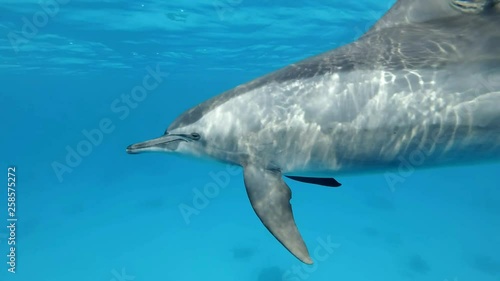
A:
[319,181]
[270,198]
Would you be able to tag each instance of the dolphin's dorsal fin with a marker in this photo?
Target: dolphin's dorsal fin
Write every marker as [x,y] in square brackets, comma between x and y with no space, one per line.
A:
[418,11]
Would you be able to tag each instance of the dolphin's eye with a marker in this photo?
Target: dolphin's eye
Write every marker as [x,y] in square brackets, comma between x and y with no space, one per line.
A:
[195,136]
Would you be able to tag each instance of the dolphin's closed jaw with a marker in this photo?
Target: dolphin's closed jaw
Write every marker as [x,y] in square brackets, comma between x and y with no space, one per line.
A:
[133,149]
[163,143]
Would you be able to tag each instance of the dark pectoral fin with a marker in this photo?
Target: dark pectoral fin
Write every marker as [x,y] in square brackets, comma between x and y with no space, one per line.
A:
[270,198]
[319,181]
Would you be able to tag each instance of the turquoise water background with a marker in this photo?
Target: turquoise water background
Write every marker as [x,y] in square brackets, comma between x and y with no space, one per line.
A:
[110,216]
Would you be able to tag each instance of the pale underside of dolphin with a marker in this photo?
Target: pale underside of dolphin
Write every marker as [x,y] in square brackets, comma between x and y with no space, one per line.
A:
[425,78]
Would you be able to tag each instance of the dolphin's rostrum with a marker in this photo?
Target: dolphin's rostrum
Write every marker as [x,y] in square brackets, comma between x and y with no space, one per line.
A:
[425,78]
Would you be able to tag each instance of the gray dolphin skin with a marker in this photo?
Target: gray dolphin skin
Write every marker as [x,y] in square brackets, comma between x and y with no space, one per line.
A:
[424,80]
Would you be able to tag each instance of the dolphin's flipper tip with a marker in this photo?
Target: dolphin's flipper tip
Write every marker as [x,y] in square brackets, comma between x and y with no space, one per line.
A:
[308,260]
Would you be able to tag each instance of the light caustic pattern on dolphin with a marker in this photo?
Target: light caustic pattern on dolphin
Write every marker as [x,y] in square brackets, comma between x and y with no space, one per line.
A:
[426,77]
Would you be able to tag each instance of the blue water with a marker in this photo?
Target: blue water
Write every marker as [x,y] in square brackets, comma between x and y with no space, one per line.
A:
[109,216]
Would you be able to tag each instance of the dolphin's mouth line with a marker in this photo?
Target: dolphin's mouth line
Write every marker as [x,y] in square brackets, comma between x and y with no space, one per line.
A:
[160,142]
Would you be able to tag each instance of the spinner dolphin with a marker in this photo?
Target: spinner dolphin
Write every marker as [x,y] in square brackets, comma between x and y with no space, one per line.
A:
[426,77]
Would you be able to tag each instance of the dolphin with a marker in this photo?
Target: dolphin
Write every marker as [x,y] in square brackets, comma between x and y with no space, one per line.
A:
[424,82]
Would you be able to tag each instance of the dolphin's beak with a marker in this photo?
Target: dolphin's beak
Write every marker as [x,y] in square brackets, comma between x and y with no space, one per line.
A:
[168,142]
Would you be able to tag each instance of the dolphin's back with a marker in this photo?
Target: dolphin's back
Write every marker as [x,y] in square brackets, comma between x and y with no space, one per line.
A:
[433,44]
[432,87]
